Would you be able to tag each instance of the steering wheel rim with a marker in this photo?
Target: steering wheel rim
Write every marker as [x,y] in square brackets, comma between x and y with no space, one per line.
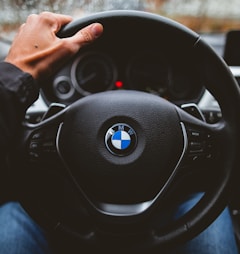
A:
[216,71]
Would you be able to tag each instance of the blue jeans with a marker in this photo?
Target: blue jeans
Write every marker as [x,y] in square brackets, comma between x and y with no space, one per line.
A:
[19,234]
[218,238]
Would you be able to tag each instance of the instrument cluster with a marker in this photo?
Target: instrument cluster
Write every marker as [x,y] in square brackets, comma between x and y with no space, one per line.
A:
[94,71]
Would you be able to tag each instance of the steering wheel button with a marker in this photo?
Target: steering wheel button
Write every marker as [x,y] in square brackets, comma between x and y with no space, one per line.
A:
[34,145]
[37,135]
[196,146]
[194,134]
[34,155]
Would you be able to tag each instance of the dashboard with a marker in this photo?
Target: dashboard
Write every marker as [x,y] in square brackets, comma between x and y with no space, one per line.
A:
[134,65]
[124,60]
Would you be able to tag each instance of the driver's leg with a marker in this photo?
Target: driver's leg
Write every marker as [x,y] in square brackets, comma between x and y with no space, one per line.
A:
[19,234]
[217,238]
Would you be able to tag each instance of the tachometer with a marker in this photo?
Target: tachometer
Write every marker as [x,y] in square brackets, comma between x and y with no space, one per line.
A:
[93,72]
[149,73]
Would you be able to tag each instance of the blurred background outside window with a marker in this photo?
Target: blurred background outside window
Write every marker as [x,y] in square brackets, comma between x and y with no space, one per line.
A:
[203,16]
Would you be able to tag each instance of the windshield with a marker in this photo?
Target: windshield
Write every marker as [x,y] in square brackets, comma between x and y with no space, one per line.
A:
[203,16]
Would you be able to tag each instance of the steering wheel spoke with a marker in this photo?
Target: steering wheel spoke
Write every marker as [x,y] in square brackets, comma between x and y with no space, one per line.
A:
[38,141]
[202,139]
[41,146]
[201,145]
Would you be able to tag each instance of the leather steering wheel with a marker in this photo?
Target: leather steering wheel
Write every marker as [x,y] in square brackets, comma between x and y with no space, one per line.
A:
[118,187]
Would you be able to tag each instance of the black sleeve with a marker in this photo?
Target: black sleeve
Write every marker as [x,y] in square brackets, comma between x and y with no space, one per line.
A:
[18,91]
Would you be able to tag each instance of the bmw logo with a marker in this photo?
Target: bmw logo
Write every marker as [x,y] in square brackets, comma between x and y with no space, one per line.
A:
[120,139]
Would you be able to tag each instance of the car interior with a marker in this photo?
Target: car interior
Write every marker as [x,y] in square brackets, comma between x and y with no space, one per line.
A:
[174,94]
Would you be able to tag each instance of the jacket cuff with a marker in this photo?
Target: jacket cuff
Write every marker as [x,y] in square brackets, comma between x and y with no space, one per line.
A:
[20,83]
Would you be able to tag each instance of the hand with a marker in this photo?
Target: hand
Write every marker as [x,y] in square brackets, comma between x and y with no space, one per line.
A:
[37,50]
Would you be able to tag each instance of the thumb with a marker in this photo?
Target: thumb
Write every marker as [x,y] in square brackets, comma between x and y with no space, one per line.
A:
[89,33]
[86,35]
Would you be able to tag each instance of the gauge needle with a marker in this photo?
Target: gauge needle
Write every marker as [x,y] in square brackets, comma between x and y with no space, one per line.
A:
[85,80]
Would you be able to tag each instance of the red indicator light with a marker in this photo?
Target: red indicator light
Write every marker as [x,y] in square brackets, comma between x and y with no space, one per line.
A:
[119,84]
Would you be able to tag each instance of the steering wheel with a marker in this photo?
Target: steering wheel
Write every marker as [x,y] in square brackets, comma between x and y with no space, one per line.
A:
[115,156]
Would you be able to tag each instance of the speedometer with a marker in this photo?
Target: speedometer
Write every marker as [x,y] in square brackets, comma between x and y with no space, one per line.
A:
[93,72]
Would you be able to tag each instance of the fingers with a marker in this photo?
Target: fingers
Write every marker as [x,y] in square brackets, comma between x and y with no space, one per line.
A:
[55,21]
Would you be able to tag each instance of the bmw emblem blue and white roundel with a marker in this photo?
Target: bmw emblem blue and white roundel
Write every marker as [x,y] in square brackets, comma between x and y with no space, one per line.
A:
[120,139]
